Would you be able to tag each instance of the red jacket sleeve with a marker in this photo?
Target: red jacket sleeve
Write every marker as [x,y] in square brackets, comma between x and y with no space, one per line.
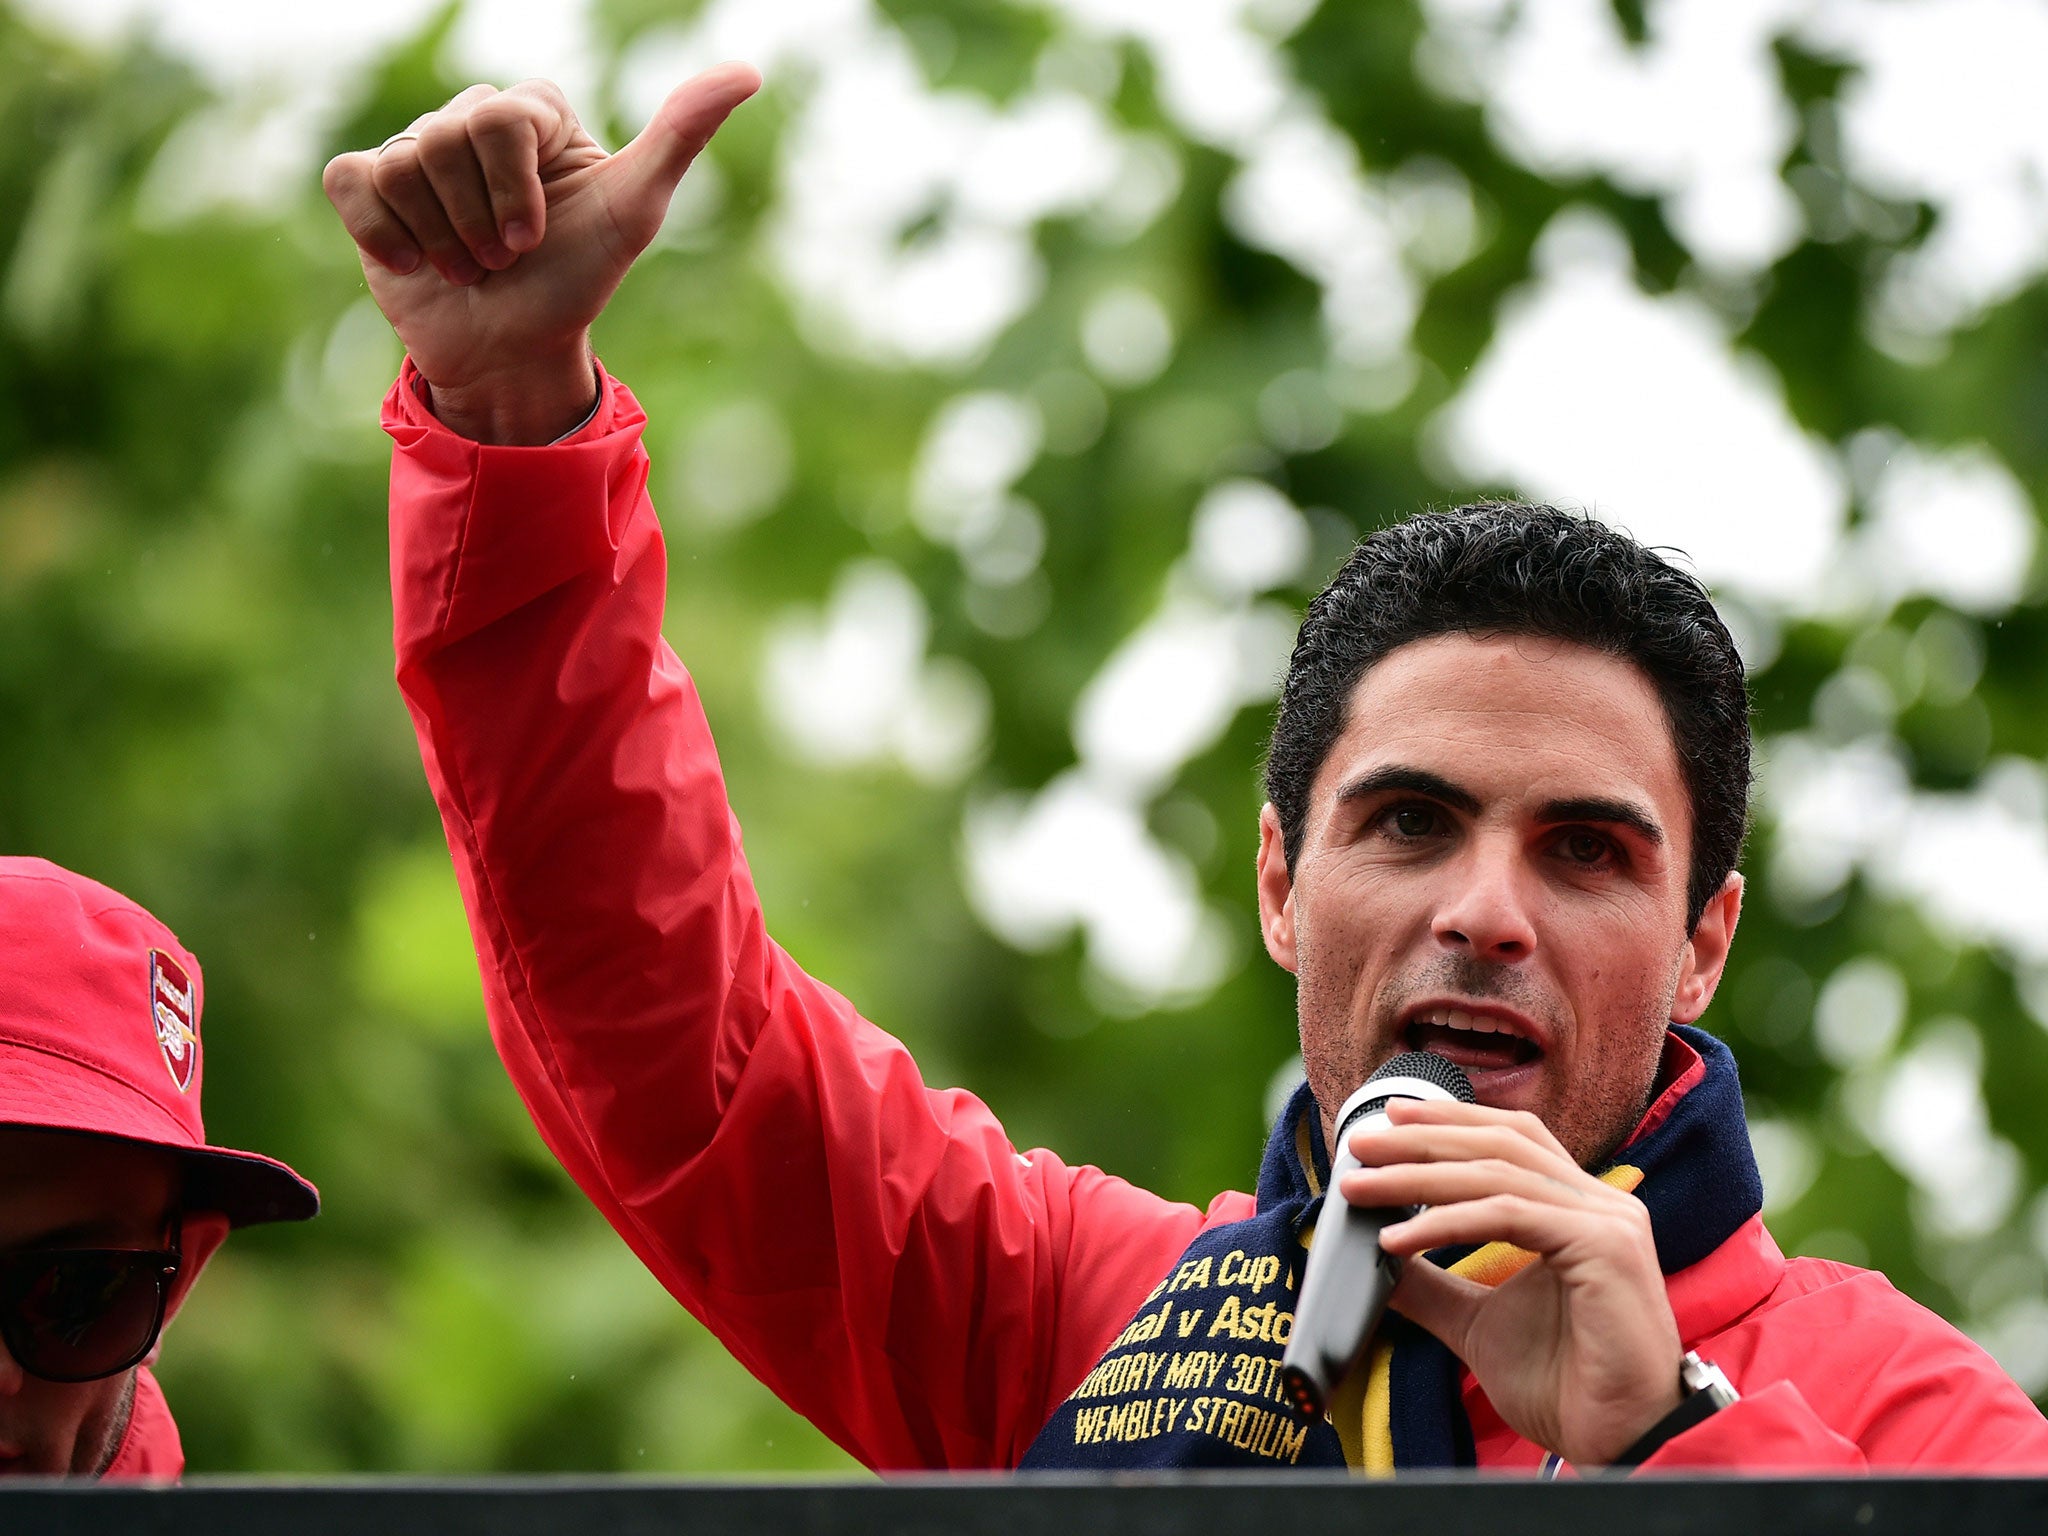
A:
[1843,1373]
[874,1250]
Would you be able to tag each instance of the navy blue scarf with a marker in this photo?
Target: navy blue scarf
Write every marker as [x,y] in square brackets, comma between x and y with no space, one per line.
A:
[1193,1380]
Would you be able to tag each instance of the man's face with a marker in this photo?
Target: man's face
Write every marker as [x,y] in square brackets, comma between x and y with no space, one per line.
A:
[1493,867]
[65,1191]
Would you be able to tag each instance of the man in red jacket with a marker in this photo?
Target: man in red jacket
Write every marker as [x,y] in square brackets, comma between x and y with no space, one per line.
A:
[111,1201]
[1508,786]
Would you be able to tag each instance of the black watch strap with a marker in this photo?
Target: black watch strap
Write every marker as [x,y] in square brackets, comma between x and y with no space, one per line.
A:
[1705,1392]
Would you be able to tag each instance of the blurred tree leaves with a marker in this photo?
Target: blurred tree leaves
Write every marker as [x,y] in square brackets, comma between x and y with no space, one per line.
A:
[195,707]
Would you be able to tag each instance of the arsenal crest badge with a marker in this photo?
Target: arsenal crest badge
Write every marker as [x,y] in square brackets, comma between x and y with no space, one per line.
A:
[176,1014]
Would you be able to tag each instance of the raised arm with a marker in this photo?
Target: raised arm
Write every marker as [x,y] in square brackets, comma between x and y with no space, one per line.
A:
[876,1251]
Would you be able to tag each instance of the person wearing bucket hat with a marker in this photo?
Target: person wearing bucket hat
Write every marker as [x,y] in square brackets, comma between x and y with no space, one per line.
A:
[111,1198]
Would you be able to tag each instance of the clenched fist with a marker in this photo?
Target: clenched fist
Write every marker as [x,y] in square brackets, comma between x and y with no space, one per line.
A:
[494,231]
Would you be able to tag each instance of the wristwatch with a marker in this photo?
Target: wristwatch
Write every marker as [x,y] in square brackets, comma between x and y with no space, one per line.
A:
[1703,1391]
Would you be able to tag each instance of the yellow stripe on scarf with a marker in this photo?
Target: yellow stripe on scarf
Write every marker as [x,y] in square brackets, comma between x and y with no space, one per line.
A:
[1362,1407]
[1303,1149]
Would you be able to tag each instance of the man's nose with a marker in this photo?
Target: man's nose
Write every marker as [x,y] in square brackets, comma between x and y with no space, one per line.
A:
[12,1376]
[1486,913]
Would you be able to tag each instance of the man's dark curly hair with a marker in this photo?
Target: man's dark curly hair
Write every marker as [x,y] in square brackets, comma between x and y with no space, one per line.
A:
[1509,568]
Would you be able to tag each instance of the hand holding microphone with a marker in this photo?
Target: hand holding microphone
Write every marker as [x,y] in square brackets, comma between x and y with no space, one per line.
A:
[1349,1276]
[1578,1351]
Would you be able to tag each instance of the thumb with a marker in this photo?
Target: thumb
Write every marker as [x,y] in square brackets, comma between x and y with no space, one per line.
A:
[1433,1298]
[645,172]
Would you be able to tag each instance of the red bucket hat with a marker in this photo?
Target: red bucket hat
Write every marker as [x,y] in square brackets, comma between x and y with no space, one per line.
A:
[99,1032]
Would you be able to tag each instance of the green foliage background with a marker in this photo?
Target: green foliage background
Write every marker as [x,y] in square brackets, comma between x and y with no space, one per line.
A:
[196,707]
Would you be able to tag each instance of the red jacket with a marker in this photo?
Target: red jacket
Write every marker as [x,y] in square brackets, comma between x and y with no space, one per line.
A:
[874,1250]
[150,1450]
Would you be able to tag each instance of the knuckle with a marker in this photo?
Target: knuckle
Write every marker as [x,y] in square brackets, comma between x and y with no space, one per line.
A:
[542,87]
[501,115]
[341,174]
[444,137]
[1501,1140]
[396,173]
[1632,1225]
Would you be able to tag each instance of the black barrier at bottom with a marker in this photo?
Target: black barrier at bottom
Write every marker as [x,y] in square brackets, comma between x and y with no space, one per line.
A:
[1251,1505]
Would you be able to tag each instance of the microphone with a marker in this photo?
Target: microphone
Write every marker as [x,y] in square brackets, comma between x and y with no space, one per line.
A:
[1345,1286]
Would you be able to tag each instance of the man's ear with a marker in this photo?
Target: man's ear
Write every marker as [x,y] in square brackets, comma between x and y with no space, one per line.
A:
[203,1232]
[1276,890]
[1706,954]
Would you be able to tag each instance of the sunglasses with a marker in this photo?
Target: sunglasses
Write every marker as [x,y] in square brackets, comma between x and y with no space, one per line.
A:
[80,1314]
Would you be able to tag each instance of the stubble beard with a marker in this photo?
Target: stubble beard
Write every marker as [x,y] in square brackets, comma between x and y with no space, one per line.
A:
[1333,1057]
[1338,1053]
[99,1443]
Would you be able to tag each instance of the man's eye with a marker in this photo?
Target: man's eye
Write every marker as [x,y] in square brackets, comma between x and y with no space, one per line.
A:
[1412,820]
[1585,847]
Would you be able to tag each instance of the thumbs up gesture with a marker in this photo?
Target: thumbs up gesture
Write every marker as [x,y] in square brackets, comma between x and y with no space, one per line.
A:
[494,231]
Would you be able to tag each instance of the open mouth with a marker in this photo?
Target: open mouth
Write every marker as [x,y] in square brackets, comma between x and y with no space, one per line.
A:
[1475,1041]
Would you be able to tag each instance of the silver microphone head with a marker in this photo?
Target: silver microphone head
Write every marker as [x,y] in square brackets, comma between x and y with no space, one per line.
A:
[1410,1075]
